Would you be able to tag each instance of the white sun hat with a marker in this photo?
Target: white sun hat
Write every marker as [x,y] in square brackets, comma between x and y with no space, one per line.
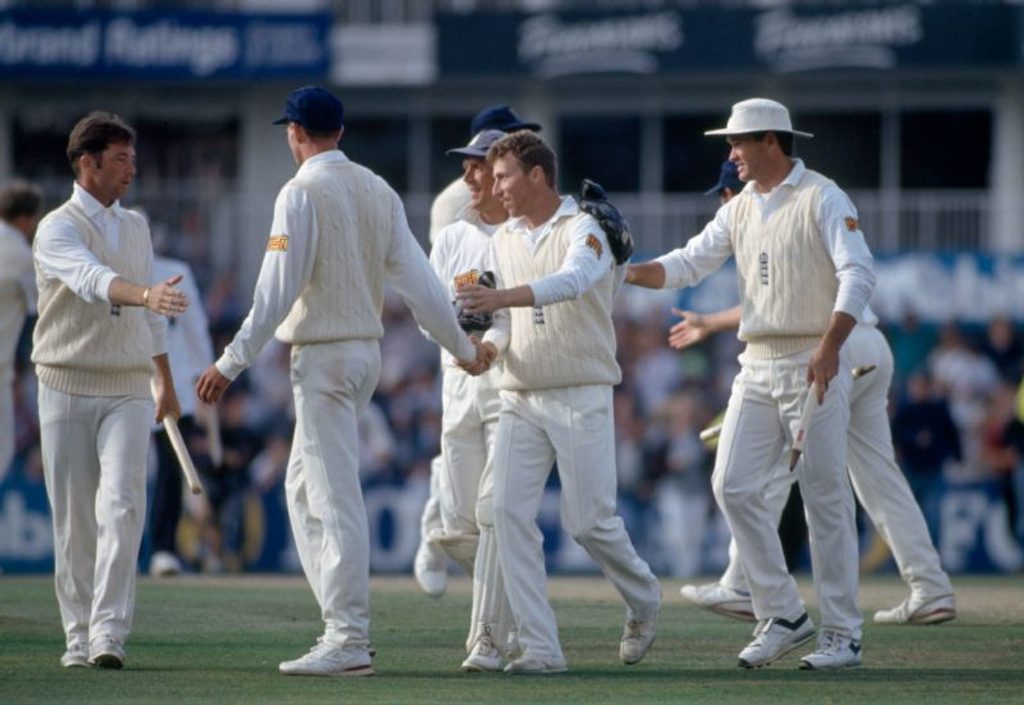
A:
[758,115]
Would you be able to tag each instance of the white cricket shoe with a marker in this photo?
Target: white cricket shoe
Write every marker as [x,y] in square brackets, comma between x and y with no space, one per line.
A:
[637,637]
[164,563]
[835,651]
[106,652]
[721,600]
[431,569]
[76,656]
[327,659]
[484,657]
[774,638]
[920,610]
[527,665]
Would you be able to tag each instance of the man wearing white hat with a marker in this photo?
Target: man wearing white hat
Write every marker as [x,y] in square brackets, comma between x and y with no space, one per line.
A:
[805,276]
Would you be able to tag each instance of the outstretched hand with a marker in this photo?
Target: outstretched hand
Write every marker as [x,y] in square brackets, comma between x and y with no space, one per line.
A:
[165,299]
[693,329]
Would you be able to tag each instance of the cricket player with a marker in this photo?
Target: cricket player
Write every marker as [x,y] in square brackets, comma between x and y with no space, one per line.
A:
[339,235]
[471,404]
[100,337]
[805,276]
[20,208]
[553,328]
[430,565]
[877,480]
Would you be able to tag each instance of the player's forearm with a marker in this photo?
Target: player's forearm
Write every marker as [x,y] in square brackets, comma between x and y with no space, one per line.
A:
[162,370]
[839,328]
[517,296]
[125,293]
[650,275]
[728,319]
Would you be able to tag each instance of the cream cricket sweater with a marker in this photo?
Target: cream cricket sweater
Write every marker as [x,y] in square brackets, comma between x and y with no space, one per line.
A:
[565,344]
[96,349]
[787,278]
[345,294]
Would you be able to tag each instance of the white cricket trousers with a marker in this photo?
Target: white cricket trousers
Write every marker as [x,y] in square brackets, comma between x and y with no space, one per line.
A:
[575,426]
[94,463]
[332,384]
[762,417]
[877,480]
[471,408]
[471,405]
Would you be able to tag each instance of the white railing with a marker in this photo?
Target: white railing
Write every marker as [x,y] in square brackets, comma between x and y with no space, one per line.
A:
[892,222]
[204,220]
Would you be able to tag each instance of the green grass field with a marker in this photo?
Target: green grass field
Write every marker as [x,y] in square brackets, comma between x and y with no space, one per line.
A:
[203,640]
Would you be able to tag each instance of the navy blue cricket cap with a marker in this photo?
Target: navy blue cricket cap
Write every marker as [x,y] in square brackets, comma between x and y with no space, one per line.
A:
[729,178]
[479,145]
[314,108]
[500,117]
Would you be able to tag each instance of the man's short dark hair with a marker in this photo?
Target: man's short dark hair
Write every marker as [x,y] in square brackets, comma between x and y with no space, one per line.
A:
[20,198]
[529,150]
[94,133]
[785,140]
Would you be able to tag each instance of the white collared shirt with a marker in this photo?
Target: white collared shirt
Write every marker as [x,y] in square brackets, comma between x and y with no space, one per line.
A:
[707,251]
[62,254]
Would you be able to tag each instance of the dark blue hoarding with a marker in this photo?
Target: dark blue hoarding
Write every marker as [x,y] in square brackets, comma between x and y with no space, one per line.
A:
[786,39]
[163,45]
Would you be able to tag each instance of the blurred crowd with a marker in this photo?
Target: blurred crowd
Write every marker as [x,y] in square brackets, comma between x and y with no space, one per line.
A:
[953,407]
[954,412]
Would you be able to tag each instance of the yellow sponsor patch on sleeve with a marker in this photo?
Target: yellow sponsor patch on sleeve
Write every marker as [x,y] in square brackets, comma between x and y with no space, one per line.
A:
[277,243]
[593,243]
[851,223]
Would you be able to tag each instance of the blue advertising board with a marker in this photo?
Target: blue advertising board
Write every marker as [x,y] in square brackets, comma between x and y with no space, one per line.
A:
[162,45]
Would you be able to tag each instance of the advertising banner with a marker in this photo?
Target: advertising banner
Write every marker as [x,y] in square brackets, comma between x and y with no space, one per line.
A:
[781,40]
[162,45]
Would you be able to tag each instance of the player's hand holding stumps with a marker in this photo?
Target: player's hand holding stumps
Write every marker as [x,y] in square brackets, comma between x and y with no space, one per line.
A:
[165,299]
[594,201]
[478,299]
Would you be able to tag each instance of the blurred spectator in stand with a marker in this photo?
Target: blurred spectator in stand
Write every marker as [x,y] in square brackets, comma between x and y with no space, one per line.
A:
[682,494]
[20,209]
[911,342]
[926,441]
[1003,347]
[657,371]
[224,305]
[629,441]
[999,453]
[226,484]
[1013,434]
[967,379]
[189,350]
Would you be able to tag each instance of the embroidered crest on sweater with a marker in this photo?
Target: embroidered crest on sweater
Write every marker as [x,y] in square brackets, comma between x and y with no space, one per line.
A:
[595,244]
[277,243]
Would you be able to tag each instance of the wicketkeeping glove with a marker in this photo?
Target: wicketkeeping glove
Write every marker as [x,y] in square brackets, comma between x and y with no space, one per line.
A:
[476,322]
[594,201]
